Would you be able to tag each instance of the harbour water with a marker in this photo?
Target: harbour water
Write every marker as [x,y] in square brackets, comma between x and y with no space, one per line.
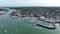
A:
[10,25]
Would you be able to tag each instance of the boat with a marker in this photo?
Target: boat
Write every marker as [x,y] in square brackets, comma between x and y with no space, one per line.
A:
[46,24]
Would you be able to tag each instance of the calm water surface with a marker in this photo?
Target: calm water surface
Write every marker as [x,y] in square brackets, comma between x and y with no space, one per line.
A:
[10,25]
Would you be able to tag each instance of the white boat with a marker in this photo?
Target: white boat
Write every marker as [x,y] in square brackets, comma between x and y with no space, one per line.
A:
[46,24]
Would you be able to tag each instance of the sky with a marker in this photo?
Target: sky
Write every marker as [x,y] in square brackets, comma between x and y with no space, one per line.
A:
[29,2]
